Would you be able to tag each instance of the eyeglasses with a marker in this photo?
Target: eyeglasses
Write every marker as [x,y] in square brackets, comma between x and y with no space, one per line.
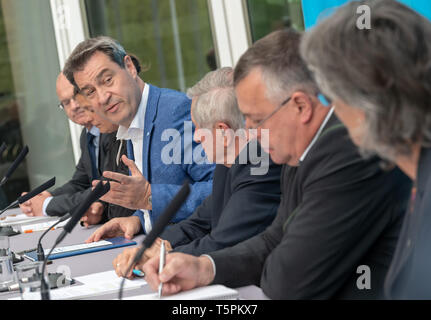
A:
[64,105]
[272,113]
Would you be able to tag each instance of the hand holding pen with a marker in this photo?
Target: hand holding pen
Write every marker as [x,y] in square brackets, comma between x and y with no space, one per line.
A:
[161,265]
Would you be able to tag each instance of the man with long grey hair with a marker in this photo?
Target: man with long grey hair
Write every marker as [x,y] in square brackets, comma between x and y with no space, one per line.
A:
[380,83]
[243,201]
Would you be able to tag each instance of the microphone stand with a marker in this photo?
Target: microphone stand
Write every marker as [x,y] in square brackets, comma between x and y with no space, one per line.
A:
[40,252]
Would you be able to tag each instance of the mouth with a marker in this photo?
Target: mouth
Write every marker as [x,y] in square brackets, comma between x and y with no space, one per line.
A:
[113,108]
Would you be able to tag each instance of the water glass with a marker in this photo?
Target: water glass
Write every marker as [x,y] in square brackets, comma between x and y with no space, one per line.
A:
[29,280]
[7,274]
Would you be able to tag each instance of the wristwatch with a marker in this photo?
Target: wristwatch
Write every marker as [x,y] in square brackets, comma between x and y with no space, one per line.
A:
[150,200]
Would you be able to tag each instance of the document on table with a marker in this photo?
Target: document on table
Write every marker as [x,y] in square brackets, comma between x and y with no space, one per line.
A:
[20,219]
[38,226]
[93,285]
[212,292]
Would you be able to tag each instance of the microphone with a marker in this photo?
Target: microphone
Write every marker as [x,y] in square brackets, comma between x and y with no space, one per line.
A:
[14,165]
[2,148]
[159,226]
[48,184]
[40,253]
[100,190]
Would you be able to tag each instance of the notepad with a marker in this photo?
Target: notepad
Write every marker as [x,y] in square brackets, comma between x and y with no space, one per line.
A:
[73,250]
[212,292]
[20,219]
[93,285]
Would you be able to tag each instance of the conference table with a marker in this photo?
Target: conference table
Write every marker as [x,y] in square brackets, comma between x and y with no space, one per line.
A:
[90,263]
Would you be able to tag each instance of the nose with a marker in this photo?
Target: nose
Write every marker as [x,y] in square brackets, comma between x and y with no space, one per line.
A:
[74,105]
[104,96]
[248,124]
[197,136]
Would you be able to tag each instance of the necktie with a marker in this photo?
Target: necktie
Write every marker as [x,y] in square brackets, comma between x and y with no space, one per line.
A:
[130,153]
[92,152]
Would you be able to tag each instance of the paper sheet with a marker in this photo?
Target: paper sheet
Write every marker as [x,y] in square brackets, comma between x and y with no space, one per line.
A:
[95,284]
[212,292]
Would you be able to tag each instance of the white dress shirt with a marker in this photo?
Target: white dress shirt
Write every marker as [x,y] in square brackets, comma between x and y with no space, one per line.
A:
[135,133]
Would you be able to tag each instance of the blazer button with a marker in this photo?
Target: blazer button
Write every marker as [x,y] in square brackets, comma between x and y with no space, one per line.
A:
[409,243]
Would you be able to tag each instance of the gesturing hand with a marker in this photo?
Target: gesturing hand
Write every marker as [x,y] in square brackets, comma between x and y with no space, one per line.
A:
[128,191]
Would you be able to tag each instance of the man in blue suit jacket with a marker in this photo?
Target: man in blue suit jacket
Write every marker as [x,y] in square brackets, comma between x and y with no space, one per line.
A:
[148,118]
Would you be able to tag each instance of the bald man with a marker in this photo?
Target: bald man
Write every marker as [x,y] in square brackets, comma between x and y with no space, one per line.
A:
[93,152]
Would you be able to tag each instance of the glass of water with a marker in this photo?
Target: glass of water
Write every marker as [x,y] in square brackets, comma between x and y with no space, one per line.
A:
[29,279]
[7,274]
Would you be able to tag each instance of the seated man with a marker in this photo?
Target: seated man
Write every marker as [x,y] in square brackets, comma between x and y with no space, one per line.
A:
[337,226]
[246,189]
[386,107]
[154,121]
[93,151]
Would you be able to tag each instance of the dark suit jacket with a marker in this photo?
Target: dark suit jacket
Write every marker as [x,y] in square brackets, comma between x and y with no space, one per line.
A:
[240,206]
[410,274]
[113,153]
[337,212]
[75,190]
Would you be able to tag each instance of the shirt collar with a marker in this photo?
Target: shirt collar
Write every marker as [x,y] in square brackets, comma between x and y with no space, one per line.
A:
[94,131]
[316,136]
[139,119]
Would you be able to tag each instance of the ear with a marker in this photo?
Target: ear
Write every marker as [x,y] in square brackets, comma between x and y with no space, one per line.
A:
[130,67]
[225,131]
[303,105]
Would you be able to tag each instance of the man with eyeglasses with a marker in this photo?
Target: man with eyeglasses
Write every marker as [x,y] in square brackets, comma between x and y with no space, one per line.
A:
[63,199]
[339,217]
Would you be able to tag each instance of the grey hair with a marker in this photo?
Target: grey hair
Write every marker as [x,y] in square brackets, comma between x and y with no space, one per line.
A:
[283,70]
[215,100]
[85,50]
[384,71]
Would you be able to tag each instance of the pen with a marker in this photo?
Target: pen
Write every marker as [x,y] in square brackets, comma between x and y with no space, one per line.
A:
[138,273]
[161,265]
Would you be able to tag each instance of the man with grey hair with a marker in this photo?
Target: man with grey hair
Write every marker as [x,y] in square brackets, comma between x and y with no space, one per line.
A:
[379,82]
[106,75]
[242,204]
[336,215]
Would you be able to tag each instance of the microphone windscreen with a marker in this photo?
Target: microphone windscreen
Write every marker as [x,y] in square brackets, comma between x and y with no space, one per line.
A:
[36,191]
[17,162]
[82,208]
[167,215]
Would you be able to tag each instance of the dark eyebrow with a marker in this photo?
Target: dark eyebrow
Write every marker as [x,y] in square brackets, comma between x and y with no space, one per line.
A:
[98,78]
[101,74]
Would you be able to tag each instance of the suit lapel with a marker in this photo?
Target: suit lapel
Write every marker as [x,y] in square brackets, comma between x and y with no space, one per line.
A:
[150,116]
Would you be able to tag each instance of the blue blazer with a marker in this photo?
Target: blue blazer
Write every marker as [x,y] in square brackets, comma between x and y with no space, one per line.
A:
[170,109]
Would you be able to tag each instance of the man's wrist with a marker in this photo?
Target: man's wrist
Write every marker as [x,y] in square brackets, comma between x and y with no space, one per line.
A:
[206,270]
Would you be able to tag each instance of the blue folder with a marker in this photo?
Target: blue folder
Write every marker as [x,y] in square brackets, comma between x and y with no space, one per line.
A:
[115,243]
